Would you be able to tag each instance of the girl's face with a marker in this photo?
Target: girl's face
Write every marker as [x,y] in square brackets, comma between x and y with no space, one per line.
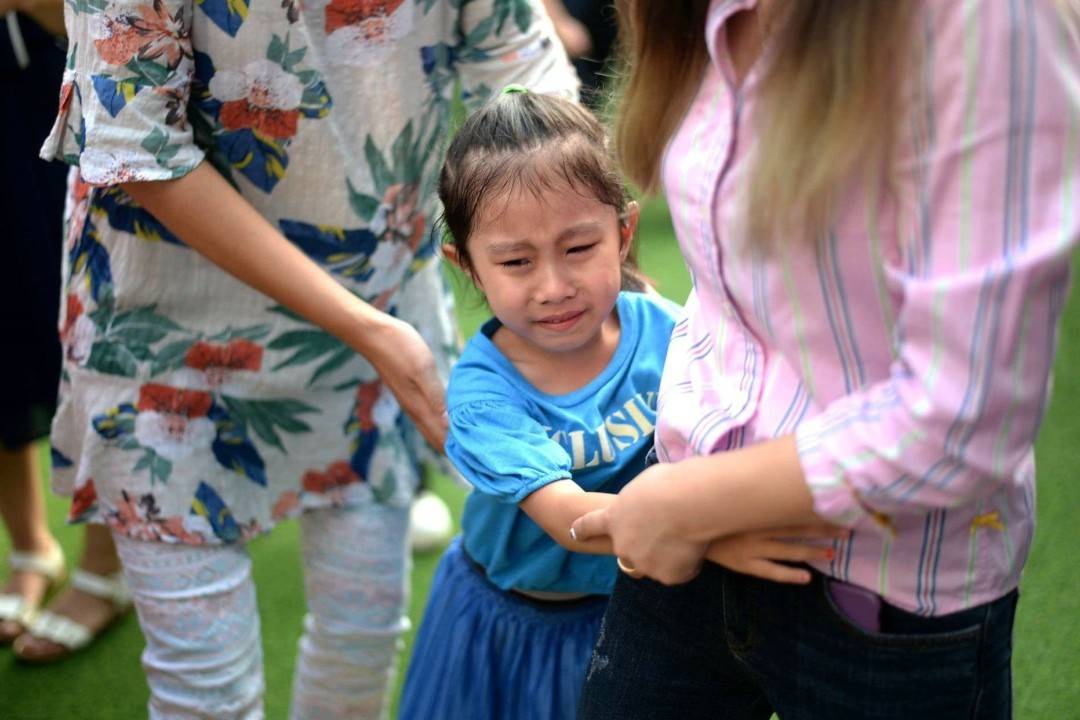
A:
[549,264]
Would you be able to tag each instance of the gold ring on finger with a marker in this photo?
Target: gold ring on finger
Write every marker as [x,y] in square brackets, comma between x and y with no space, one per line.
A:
[626,568]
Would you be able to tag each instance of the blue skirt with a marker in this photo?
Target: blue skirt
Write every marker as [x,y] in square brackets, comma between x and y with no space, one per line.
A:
[483,653]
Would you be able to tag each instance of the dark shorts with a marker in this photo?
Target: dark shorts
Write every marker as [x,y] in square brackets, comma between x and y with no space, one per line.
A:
[31,235]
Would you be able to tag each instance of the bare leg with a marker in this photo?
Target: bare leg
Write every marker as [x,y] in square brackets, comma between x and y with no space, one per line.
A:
[22,506]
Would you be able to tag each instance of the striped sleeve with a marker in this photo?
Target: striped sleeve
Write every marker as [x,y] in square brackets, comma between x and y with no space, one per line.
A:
[984,275]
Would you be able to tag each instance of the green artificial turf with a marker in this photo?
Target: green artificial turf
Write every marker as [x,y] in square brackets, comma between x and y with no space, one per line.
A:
[105,681]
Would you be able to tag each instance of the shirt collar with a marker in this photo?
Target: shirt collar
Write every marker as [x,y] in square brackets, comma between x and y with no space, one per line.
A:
[719,12]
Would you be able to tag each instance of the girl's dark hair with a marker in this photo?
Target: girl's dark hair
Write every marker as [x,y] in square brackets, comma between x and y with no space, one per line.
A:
[534,141]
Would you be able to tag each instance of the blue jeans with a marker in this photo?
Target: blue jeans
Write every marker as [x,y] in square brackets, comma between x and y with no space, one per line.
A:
[730,646]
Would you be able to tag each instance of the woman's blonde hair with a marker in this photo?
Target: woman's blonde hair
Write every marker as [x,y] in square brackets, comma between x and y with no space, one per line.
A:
[828,102]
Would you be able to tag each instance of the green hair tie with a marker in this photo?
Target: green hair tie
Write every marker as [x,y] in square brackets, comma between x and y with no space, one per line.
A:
[514,89]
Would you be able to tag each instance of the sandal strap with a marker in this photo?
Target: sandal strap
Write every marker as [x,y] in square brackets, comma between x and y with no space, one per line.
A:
[49,564]
[107,587]
[60,630]
[15,607]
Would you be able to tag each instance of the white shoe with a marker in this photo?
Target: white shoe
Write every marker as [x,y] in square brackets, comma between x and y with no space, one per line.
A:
[430,524]
[66,634]
[15,608]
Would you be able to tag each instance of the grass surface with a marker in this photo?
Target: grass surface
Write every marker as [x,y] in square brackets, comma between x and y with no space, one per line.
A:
[106,682]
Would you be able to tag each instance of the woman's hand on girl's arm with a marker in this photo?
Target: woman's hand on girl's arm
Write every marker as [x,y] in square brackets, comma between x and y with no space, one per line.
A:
[210,216]
[643,533]
[663,522]
[554,506]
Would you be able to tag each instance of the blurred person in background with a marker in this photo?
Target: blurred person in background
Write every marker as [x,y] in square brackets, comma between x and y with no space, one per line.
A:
[587,30]
[31,65]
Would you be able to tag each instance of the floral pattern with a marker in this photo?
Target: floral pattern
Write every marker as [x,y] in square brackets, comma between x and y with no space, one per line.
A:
[145,32]
[173,423]
[192,408]
[252,113]
[363,32]
[262,97]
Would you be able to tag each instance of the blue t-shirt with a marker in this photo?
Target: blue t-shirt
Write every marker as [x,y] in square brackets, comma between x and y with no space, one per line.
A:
[509,439]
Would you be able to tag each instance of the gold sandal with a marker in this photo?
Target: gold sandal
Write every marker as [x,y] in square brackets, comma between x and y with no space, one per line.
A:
[17,609]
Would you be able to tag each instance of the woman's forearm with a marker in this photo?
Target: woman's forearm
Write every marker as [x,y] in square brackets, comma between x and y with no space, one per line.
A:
[208,214]
[211,217]
[754,488]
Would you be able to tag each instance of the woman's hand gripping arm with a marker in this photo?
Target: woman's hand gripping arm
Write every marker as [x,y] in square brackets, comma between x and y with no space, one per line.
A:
[741,509]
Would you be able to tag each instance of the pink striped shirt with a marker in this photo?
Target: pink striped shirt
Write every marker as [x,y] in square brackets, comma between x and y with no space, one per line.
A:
[910,350]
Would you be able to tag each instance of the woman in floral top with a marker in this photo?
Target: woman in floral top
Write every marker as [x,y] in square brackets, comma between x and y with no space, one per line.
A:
[238,337]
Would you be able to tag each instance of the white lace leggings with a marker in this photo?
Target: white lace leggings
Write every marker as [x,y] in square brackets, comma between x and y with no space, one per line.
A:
[196,607]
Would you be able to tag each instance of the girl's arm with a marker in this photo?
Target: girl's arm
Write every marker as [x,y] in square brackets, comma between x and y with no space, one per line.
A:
[555,506]
[210,216]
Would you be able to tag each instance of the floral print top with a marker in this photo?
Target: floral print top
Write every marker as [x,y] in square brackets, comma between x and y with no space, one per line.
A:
[194,409]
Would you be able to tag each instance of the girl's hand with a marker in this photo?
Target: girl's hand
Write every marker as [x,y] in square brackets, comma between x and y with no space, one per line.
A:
[406,366]
[762,553]
[644,530]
